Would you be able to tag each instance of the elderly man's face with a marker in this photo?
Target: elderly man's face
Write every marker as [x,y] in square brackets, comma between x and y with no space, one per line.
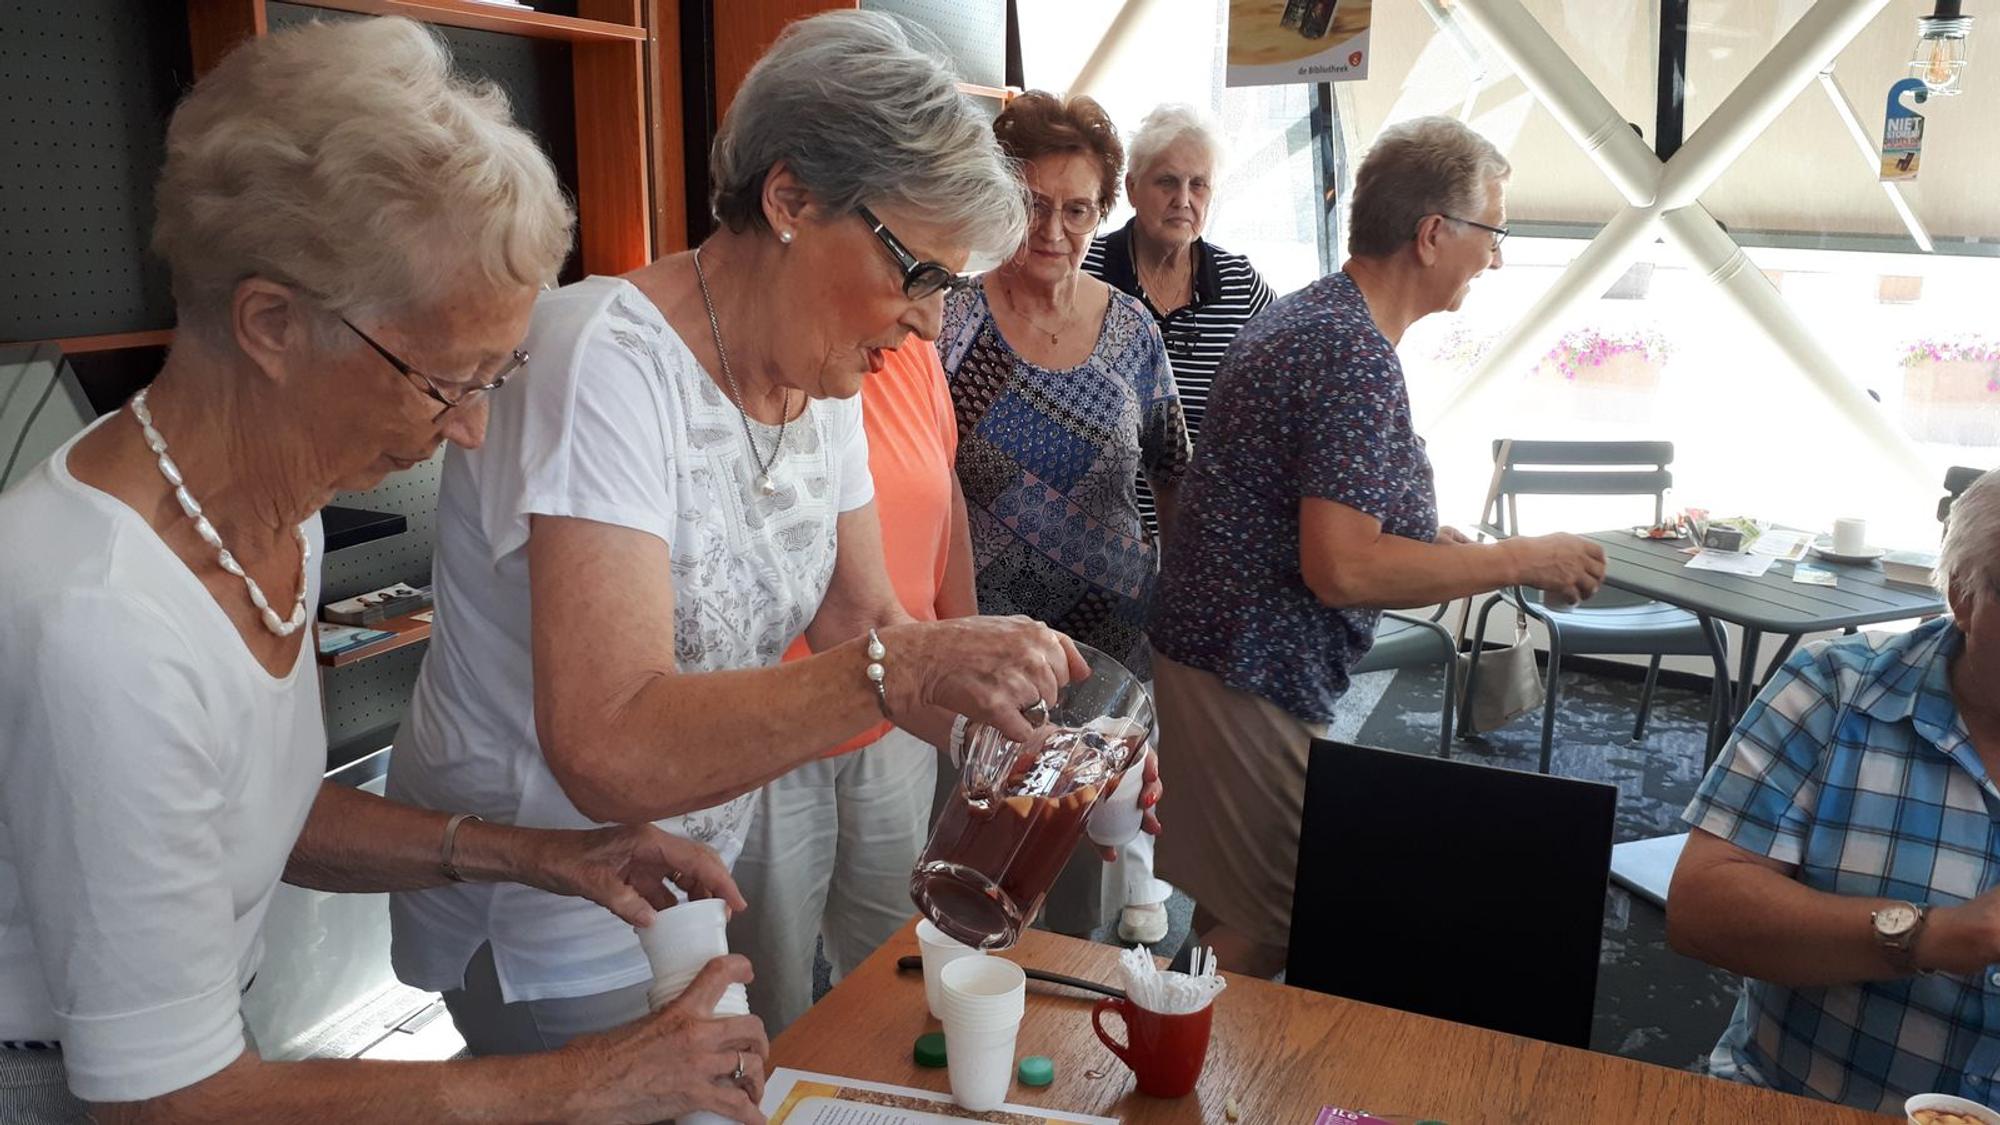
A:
[1171,198]
[1975,605]
[1471,249]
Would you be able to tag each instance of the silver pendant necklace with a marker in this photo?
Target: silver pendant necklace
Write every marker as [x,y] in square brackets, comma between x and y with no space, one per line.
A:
[283,627]
[763,483]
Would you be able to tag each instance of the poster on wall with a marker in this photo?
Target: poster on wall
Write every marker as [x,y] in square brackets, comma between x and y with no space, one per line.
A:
[1275,42]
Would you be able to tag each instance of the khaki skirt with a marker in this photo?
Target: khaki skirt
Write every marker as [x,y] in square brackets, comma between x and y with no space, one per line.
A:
[1234,766]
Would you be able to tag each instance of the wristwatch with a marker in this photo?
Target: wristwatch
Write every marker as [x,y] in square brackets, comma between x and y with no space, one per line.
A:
[1896,928]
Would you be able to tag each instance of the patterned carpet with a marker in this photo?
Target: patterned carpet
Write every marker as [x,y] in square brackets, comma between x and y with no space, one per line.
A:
[1652,1004]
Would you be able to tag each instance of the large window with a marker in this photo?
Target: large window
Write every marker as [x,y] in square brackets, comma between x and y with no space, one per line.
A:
[1899,373]
[1265,204]
[1660,350]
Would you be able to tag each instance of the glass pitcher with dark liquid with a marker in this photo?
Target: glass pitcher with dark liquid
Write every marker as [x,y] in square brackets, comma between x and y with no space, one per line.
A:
[1019,808]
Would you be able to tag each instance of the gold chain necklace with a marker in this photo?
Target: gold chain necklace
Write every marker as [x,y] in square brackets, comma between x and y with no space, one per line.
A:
[1054,335]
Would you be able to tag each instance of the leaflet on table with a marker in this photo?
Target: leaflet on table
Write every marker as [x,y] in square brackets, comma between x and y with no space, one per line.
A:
[1334,1115]
[1729,562]
[799,1097]
[1785,546]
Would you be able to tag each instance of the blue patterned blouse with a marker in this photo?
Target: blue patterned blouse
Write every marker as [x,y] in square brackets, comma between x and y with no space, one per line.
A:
[1309,401]
[1047,460]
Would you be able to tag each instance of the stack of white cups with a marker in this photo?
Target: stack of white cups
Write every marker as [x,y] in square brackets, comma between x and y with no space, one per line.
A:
[983,999]
[939,950]
[681,940]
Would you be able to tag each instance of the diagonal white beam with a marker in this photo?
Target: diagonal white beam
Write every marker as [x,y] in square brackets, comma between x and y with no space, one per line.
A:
[1664,197]
[1792,64]
[1571,98]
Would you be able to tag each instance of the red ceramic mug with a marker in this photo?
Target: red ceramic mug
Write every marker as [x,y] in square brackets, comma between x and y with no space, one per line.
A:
[1165,1052]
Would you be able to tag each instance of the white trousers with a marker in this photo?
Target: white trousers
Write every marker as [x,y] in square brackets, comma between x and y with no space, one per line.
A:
[829,857]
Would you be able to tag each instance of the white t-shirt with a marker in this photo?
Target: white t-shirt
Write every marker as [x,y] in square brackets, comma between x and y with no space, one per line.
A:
[153,779]
[613,421]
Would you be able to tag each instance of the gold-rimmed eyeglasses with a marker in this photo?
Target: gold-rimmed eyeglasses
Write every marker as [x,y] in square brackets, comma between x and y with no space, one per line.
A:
[461,394]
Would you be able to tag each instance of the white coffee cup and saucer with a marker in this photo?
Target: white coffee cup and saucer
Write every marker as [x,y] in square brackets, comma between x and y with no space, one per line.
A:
[1847,544]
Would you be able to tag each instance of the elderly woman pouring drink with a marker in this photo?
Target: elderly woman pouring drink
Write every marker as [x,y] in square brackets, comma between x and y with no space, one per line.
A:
[681,489]
[355,239]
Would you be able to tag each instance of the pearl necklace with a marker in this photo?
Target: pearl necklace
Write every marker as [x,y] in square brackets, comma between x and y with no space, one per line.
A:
[282,627]
[763,483]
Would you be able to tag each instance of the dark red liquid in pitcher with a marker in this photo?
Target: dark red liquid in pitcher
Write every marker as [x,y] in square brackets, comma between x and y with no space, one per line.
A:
[997,849]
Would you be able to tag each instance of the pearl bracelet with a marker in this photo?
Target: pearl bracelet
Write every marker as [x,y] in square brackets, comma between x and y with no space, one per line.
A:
[877,673]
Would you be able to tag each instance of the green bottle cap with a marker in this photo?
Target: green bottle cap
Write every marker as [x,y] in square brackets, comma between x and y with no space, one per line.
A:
[1037,1070]
[930,1049]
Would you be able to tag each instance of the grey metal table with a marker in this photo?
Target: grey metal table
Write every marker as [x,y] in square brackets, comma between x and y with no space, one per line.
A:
[1771,603]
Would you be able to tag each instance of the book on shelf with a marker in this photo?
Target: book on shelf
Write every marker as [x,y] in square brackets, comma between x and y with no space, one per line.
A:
[378,605]
[336,639]
[1910,568]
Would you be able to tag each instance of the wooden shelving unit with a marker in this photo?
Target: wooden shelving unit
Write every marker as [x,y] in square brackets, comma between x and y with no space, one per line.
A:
[489,17]
[408,632]
[609,40]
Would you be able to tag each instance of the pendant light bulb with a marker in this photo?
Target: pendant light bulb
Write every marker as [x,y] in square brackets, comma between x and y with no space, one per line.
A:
[1942,40]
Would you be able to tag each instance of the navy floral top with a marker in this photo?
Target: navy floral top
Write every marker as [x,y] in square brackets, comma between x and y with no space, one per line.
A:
[1309,401]
[1047,460]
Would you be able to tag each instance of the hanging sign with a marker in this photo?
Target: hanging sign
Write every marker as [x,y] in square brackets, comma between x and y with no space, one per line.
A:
[1275,42]
[1903,132]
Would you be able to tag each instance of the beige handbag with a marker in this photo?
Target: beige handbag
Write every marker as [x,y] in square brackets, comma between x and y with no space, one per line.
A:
[1510,683]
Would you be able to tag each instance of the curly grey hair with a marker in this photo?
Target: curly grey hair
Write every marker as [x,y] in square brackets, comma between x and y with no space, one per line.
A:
[345,159]
[1972,540]
[862,108]
[1163,126]
[1426,166]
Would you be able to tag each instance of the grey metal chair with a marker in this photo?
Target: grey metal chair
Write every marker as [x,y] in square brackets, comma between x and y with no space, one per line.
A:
[1957,479]
[1613,622]
[1404,640]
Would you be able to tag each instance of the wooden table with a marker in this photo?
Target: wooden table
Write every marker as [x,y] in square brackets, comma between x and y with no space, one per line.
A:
[1281,1053]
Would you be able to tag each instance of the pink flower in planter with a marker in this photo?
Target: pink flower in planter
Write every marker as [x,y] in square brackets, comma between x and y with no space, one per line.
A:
[1593,347]
[1969,348]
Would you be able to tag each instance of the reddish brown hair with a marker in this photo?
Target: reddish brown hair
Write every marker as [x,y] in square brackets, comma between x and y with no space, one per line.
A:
[1038,124]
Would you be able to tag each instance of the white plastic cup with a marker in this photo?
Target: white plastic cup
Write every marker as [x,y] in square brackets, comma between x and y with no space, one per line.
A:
[1850,536]
[979,994]
[1118,817]
[980,1065]
[683,938]
[1944,1102]
[939,950]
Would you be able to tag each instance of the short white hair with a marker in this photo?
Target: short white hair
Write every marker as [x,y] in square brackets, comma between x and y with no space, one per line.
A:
[863,108]
[1165,125]
[345,159]
[1425,166]
[1972,538]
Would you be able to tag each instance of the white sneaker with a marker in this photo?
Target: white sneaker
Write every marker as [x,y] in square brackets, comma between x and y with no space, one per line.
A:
[1143,923]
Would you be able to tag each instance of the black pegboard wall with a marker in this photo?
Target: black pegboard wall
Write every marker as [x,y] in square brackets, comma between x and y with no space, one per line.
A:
[86,88]
[374,693]
[535,73]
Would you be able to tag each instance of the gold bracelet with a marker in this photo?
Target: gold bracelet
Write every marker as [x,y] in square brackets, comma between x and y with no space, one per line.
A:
[445,863]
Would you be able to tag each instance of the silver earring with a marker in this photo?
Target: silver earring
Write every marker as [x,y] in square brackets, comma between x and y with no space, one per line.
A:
[785,237]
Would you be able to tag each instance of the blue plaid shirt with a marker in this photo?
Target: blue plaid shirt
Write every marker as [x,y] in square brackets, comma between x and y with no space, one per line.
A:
[1855,766]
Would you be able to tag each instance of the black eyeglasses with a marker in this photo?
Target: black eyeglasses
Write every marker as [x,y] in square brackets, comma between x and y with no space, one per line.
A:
[921,278]
[429,386]
[1499,233]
